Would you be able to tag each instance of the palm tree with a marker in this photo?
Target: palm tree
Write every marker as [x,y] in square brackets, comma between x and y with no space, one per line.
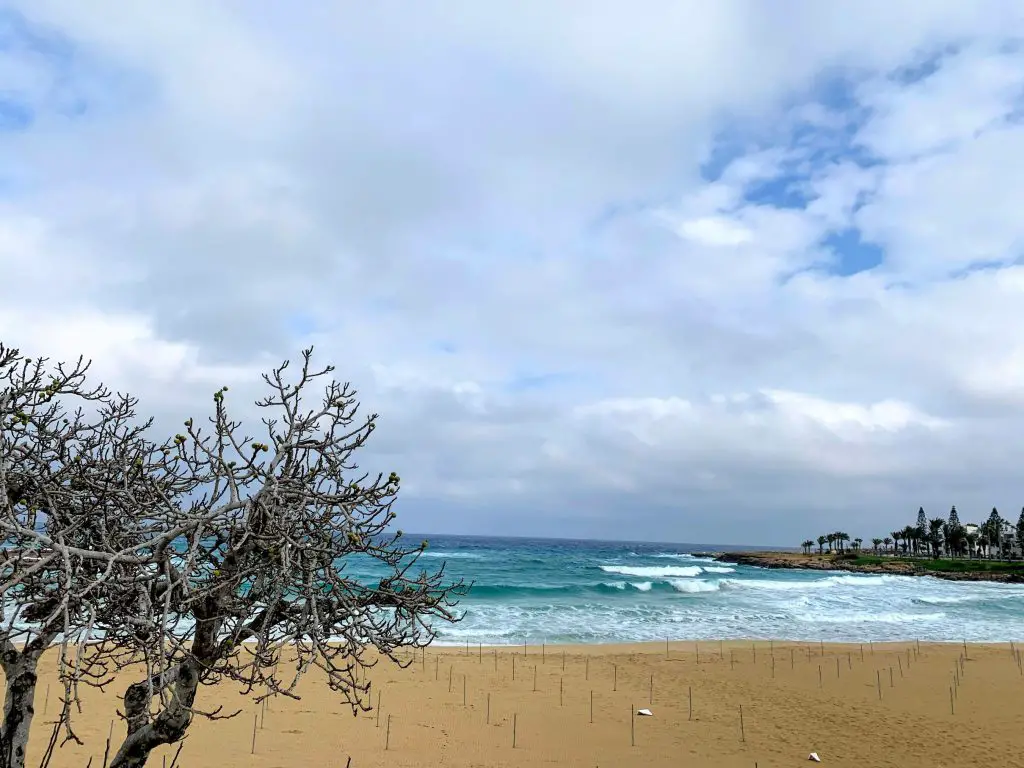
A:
[821,544]
[909,536]
[857,544]
[935,535]
[875,543]
[956,539]
[806,546]
[972,543]
[831,539]
[842,537]
[896,536]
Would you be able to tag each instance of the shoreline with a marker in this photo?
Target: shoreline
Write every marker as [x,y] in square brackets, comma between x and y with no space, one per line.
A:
[689,646]
[881,565]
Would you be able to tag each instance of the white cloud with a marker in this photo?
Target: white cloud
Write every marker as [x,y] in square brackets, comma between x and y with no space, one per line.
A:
[492,218]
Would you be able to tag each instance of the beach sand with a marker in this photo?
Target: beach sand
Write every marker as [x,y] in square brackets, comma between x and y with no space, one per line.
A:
[795,699]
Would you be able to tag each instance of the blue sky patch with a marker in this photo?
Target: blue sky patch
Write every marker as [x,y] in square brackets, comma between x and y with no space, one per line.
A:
[853,254]
[14,116]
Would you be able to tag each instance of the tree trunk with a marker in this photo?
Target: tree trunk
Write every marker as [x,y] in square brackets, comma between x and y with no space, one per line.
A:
[19,707]
[167,727]
[146,732]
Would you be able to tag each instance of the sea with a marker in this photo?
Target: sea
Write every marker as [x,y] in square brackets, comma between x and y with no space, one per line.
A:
[563,592]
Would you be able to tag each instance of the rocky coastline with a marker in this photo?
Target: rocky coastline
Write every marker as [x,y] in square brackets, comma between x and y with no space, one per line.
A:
[798,561]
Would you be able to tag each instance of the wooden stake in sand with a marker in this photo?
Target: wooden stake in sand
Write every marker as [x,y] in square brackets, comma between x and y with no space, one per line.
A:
[387,736]
[878,681]
[965,649]
[106,750]
[689,695]
[481,653]
[754,648]
[46,701]
[849,660]
[862,651]
[900,662]
[449,679]
[696,647]
[632,725]
[488,721]
[732,660]
[563,661]
[792,660]
[513,666]
[721,651]
[255,721]
[587,674]
[819,677]
[650,692]
[837,667]
[666,647]
[559,691]
[743,732]
[615,677]
[378,710]
[773,667]
[952,708]
[891,684]
[463,690]
[543,653]
[495,659]
[437,667]
[591,706]
[535,679]
[515,719]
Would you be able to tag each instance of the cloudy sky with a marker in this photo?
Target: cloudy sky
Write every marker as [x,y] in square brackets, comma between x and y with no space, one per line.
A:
[730,272]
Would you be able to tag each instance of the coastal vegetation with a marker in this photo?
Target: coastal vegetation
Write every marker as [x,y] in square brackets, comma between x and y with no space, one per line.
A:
[942,547]
[935,538]
[205,558]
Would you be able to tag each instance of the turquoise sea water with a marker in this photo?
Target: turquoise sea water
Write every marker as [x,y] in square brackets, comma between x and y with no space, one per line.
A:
[537,590]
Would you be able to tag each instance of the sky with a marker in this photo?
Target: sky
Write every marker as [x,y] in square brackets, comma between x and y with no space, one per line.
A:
[732,272]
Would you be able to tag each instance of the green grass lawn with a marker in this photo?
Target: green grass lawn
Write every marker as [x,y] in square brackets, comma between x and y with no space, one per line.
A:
[941,564]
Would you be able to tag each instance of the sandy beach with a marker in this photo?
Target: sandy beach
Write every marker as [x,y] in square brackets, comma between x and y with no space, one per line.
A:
[881,705]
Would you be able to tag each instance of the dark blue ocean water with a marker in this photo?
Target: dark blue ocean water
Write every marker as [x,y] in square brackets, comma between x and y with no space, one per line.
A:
[555,591]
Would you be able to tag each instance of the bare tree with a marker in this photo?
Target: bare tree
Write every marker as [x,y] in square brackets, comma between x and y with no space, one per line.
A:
[263,587]
[86,505]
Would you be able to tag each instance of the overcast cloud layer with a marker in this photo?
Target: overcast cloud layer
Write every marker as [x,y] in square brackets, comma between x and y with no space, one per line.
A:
[673,270]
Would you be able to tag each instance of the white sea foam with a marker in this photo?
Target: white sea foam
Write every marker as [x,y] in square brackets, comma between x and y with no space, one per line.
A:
[695,586]
[815,584]
[717,569]
[643,586]
[653,572]
[974,598]
[869,618]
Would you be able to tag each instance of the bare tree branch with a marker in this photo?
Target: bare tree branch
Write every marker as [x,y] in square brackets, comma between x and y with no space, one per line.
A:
[208,557]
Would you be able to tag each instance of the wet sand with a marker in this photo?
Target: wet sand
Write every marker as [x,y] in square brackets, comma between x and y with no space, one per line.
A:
[857,707]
